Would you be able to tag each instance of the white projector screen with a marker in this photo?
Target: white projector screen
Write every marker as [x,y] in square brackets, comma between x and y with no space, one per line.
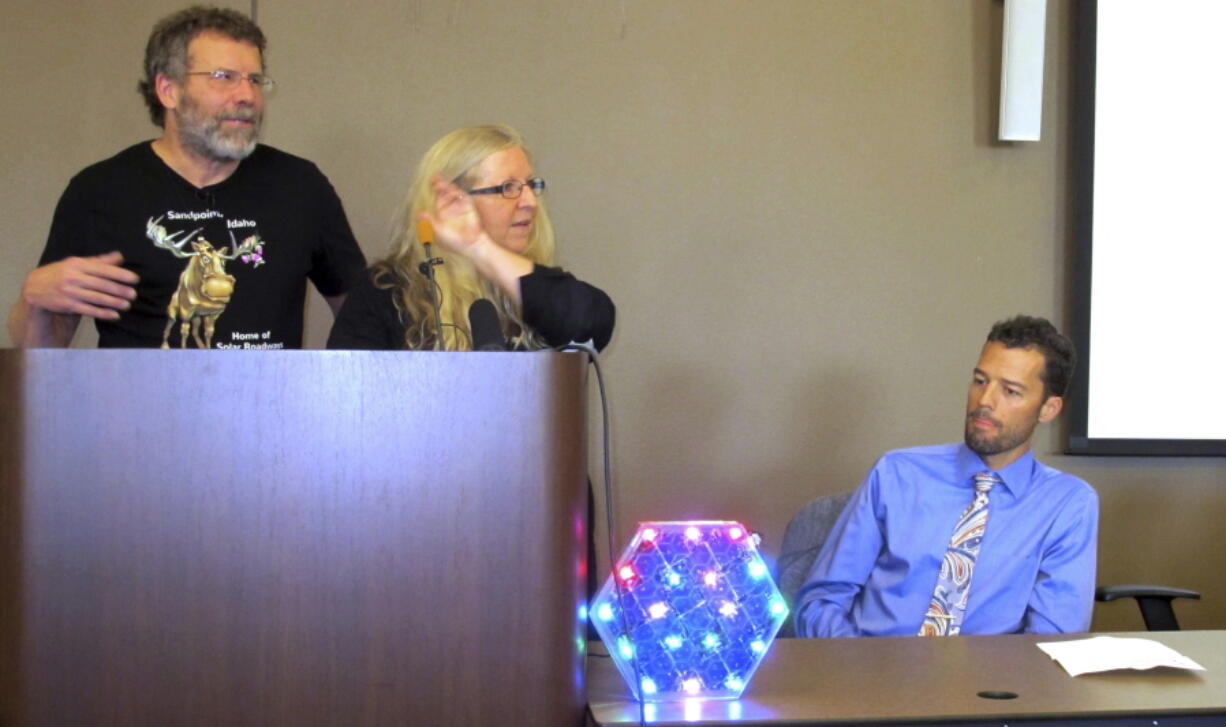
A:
[1151,281]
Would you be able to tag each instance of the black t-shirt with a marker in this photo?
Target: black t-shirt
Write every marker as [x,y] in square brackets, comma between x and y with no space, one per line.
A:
[275,222]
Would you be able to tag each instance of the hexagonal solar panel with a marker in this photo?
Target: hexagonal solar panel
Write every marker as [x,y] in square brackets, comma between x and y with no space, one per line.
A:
[690,610]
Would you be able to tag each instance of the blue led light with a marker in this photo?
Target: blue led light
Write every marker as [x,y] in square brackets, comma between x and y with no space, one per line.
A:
[625,648]
[690,611]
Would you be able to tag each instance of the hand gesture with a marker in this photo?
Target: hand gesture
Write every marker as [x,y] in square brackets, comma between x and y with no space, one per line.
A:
[92,286]
[457,226]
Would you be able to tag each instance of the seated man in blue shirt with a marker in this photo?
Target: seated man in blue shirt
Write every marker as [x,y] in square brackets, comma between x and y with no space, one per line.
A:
[974,538]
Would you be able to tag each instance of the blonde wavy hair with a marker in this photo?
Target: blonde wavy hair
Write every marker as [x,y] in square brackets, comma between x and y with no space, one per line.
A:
[455,157]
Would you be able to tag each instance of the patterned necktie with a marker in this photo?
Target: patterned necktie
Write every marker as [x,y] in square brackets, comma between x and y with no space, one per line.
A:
[948,606]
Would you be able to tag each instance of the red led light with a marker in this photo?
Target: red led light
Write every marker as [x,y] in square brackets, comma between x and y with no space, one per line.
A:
[735,533]
[650,535]
[627,574]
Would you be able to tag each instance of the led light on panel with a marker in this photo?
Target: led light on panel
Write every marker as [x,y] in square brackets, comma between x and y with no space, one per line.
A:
[690,611]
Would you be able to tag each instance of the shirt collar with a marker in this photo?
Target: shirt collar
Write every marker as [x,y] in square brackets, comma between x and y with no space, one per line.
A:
[1016,477]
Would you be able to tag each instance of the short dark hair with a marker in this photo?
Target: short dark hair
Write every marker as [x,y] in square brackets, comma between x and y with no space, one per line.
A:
[166,51]
[1060,357]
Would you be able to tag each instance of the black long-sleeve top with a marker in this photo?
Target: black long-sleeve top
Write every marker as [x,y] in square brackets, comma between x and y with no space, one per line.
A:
[558,306]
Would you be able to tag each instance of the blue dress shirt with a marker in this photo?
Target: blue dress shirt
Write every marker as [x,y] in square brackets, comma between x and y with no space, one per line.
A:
[876,573]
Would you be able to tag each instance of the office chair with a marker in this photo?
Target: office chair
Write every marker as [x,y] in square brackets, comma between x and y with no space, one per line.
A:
[802,540]
[1154,602]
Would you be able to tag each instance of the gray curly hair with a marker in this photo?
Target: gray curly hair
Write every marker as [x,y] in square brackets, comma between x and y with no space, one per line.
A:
[166,51]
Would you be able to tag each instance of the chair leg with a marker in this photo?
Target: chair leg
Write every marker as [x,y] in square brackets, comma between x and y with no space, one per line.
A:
[1157,613]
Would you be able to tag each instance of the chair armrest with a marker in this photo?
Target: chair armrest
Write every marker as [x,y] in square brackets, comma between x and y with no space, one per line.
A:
[1110,593]
[1154,602]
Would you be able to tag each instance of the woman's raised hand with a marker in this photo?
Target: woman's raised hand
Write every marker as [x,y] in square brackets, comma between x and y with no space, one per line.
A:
[457,225]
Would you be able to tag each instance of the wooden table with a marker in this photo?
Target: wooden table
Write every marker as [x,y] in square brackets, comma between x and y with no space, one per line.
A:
[900,681]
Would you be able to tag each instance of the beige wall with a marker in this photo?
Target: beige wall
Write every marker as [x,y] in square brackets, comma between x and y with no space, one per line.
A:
[797,205]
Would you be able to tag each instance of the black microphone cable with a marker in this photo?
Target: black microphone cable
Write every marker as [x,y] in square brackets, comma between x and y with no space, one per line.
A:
[590,350]
[425,235]
[427,268]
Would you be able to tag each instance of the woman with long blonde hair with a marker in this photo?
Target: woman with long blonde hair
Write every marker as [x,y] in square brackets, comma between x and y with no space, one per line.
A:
[477,189]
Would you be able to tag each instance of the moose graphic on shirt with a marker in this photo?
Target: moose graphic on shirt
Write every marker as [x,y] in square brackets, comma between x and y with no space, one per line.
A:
[204,287]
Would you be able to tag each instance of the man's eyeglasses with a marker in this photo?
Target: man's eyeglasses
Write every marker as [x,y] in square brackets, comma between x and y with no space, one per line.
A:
[226,78]
[512,188]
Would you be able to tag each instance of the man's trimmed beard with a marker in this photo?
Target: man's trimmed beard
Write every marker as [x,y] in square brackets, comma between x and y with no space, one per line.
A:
[1008,438]
[205,136]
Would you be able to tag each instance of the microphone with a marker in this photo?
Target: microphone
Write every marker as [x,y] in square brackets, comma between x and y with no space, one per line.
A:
[425,235]
[425,232]
[485,328]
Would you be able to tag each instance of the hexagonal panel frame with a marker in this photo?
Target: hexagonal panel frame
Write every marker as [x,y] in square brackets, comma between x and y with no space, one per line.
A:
[690,610]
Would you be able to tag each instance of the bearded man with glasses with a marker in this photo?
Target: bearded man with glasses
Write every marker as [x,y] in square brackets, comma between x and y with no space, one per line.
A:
[140,242]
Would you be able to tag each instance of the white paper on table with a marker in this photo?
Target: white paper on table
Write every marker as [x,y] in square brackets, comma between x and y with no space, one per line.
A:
[1105,653]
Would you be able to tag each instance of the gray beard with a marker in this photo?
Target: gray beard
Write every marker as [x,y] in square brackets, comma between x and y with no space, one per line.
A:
[204,137]
[218,148]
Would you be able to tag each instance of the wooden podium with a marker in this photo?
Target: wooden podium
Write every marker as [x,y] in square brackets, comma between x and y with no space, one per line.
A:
[291,538]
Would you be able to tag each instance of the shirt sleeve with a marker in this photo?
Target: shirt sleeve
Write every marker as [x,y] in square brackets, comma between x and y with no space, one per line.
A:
[337,261]
[368,321]
[1063,596]
[563,309]
[842,567]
